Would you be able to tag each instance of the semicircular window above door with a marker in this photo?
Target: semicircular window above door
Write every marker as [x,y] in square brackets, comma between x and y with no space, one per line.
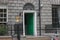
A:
[28,6]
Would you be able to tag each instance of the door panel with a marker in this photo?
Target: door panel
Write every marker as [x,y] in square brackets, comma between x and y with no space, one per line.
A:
[29,24]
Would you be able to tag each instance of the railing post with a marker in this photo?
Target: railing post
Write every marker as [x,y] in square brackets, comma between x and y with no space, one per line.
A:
[39,17]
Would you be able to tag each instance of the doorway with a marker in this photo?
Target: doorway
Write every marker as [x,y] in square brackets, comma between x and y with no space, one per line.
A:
[29,23]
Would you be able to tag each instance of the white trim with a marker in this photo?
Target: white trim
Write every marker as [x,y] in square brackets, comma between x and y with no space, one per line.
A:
[7,13]
[35,24]
[23,25]
[5,7]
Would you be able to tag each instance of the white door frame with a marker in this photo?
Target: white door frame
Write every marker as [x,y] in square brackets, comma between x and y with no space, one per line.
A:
[35,24]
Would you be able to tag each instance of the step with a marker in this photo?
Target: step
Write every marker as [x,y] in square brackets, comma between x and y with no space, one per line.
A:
[33,38]
[38,38]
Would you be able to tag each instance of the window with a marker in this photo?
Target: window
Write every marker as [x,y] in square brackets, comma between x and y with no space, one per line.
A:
[3,15]
[3,21]
[54,27]
[28,6]
[55,16]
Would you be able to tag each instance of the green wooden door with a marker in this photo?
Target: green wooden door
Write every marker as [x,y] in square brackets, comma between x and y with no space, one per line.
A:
[29,24]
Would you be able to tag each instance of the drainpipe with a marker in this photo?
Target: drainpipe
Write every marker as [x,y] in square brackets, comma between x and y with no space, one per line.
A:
[39,17]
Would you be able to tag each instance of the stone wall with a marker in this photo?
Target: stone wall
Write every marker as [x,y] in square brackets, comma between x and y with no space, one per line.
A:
[46,12]
[16,6]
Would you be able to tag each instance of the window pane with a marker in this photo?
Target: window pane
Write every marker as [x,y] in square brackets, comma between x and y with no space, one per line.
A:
[55,19]
[4,19]
[1,15]
[4,10]
[1,10]
[1,20]
[4,15]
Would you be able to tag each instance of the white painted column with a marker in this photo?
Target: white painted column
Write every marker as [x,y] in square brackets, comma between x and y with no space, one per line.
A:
[23,25]
[35,24]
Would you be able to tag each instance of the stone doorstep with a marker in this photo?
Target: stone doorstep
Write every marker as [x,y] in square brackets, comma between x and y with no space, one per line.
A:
[38,38]
[35,38]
